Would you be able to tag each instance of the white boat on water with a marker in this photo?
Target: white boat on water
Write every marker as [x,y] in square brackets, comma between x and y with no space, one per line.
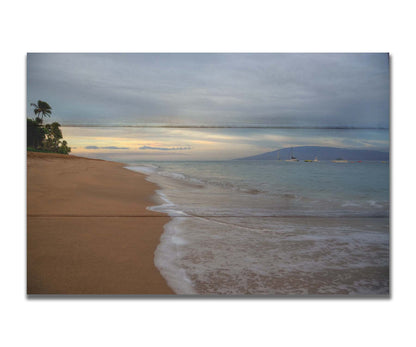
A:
[340,161]
[291,157]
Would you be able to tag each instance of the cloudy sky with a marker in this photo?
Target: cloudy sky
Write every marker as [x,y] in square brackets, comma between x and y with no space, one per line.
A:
[213,89]
[267,90]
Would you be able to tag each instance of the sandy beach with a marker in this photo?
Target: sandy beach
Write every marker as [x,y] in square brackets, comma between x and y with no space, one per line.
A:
[88,230]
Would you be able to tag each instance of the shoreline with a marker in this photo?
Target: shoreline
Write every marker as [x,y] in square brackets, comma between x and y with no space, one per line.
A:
[270,242]
[88,229]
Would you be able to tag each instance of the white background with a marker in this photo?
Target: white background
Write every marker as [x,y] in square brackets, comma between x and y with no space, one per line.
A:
[219,26]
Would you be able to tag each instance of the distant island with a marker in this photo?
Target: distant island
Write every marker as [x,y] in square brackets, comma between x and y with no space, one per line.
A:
[322,153]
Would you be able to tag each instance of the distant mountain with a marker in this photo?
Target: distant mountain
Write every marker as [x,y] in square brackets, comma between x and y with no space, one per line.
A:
[323,153]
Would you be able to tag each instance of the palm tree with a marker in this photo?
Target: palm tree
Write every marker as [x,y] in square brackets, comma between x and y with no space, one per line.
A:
[43,109]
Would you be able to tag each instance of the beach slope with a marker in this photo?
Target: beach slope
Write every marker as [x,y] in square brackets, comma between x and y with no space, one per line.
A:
[88,230]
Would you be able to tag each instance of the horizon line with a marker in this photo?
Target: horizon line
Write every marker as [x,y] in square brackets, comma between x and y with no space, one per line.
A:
[224,127]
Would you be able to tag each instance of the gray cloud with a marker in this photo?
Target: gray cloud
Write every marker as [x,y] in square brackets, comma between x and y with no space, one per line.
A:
[106,147]
[213,89]
[114,147]
[166,148]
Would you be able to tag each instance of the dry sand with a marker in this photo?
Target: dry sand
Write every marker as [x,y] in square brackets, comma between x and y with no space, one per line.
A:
[88,230]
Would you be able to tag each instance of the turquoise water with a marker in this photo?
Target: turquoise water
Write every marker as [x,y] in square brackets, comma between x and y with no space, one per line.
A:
[273,227]
[279,188]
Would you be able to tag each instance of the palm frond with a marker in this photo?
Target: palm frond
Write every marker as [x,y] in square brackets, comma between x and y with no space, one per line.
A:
[44,105]
[42,108]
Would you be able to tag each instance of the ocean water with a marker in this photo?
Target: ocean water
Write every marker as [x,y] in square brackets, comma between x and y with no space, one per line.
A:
[273,227]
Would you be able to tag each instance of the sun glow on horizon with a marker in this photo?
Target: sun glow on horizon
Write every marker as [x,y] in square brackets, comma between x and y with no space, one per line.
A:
[211,144]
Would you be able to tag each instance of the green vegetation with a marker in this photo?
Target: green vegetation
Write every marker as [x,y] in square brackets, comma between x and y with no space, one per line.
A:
[45,137]
[31,149]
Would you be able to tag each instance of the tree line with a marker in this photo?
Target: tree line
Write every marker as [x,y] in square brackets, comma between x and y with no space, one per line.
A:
[44,137]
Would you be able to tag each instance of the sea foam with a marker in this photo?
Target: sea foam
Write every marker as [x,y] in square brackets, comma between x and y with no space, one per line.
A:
[312,237]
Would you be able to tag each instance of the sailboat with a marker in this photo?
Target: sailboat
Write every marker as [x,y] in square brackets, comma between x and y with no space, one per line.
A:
[291,157]
[316,159]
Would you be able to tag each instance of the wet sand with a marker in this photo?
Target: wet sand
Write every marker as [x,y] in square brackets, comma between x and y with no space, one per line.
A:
[88,230]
